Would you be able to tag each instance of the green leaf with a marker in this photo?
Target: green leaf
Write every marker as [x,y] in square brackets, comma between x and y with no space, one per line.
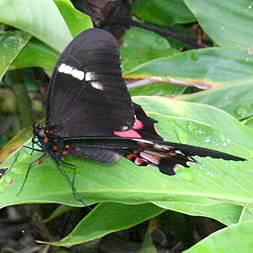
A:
[148,244]
[157,89]
[14,144]
[162,12]
[35,54]
[223,212]
[201,125]
[77,21]
[233,239]
[235,99]
[205,68]
[11,44]
[203,114]
[107,218]
[228,23]
[247,214]
[60,210]
[140,46]
[40,18]
[249,122]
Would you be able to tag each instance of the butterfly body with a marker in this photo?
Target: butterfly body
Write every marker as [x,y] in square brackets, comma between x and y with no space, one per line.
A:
[49,142]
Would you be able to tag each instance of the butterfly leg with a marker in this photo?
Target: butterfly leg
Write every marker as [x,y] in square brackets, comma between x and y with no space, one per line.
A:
[14,161]
[33,149]
[28,172]
[71,181]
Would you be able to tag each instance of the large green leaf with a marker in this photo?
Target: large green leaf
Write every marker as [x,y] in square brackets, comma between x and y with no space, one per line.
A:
[228,23]
[125,182]
[77,21]
[156,89]
[162,12]
[223,212]
[140,46]
[209,179]
[248,122]
[110,217]
[11,44]
[40,18]
[213,188]
[35,54]
[233,239]
[107,218]
[206,68]
[203,114]
[235,99]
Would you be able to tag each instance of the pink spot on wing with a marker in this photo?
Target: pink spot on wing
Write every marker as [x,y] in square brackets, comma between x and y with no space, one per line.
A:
[127,134]
[131,133]
[137,124]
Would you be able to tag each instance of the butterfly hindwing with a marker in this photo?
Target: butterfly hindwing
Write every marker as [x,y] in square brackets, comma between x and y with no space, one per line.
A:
[142,152]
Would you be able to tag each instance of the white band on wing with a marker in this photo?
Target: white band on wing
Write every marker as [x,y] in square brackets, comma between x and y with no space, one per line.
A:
[69,70]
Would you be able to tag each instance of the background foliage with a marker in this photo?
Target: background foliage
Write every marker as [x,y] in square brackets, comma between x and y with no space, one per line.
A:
[189,64]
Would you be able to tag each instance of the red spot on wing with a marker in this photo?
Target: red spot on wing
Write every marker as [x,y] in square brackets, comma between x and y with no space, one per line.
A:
[131,156]
[154,159]
[127,134]
[142,144]
[172,154]
[130,133]
[45,140]
[140,161]
[65,152]
[55,148]
[138,124]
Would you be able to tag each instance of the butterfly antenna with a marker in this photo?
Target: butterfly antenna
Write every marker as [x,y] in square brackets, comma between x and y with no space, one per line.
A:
[15,159]
[33,149]
[4,171]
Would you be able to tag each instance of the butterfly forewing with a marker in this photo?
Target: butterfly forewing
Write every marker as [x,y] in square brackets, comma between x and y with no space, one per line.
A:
[87,94]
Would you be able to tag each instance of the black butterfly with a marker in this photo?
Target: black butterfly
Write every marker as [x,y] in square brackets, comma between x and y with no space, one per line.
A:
[90,113]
